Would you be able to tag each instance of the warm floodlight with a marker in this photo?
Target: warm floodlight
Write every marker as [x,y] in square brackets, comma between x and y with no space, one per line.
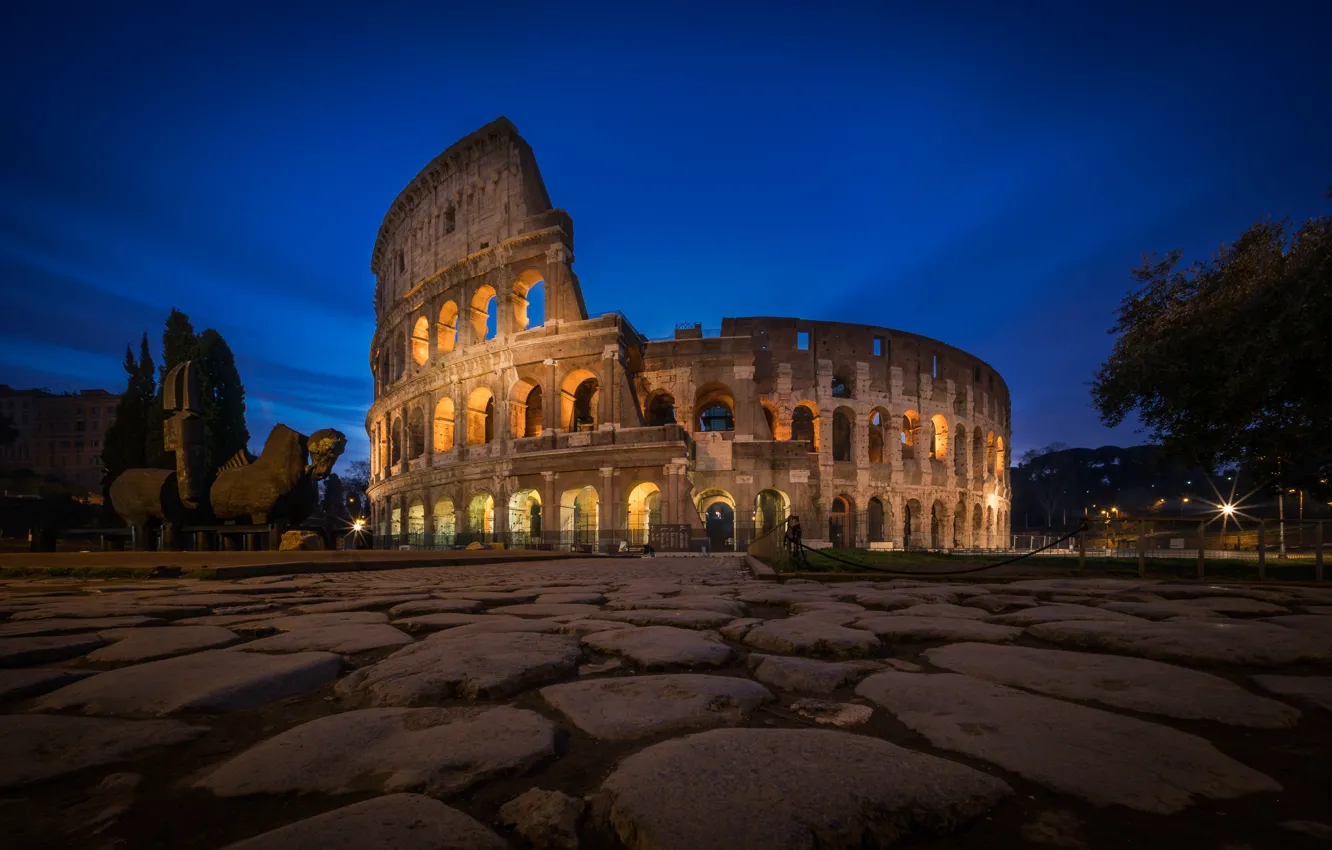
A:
[358,525]
[1228,510]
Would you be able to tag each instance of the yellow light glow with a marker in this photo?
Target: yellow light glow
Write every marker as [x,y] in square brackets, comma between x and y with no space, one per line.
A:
[358,525]
[1228,510]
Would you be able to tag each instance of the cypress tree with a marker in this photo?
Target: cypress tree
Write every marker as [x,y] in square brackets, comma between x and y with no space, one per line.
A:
[126,441]
[223,401]
[179,344]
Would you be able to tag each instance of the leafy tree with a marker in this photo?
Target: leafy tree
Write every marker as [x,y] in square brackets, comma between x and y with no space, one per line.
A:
[1047,473]
[125,445]
[8,433]
[334,503]
[354,485]
[1223,361]
[223,401]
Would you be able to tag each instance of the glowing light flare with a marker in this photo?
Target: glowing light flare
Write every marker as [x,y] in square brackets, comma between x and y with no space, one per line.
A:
[1228,509]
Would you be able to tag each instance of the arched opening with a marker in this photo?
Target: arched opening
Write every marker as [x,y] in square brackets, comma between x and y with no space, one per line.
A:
[804,425]
[415,433]
[937,520]
[977,536]
[661,409]
[990,464]
[416,520]
[960,452]
[959,525]
[771,508]
[395,521]
[876,520]
[395,441]
[578,401]
[525,409]
[525,517]
[421,341]
[717,509]
[841,521]
[770,418]
[938,437]
[715,406]
[910,434]
[1000,464]
[483,312]
[446,332]
[443,520]
[977,453]
[480,416]
[911,520]
[444,424]
[644,512]
[841,436]
[481,517]
[878,421]
[529,301]
[841,388]
[579,516]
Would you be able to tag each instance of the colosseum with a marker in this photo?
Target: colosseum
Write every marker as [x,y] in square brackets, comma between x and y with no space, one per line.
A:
[504,413]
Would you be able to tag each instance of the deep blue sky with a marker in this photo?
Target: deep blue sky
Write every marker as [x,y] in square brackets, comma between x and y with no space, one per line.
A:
[983,173]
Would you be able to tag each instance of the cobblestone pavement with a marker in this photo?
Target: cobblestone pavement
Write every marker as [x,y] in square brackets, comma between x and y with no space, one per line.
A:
[662,703]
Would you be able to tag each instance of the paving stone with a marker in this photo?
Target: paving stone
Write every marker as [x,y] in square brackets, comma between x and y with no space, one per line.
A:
[567,598]
[1313,623]
[471,666]
[997,603]
[1055,829]
[737,629]
[1204,607]
[714,604]
[793,789]
[628,707]
[940,609]
[587,627]
[43,649]
[436,751]
[213,680]
[1314,689]
[1311,828]
[440,621]
[781,596]
[1060,614]
[1132,683]
[839,714]
[230,619]
[97,609]
[488,597]
[1101,757]
[363,603]
[35,681]
[889,600]
[534,609]
[494,624]
[343,638]
[437,606]
[134,645]
[826,605]
[73,625]
[269,625]
[897,626]
[681,617]
[36,747]
[396,821]
[1189,641]
[805,674]
[547,819]
[810,636]
[652,647]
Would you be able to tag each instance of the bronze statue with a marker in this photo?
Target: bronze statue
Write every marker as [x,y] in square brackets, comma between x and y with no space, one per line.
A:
[277,487]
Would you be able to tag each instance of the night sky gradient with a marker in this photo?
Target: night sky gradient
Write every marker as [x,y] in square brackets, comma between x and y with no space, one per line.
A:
[982,173]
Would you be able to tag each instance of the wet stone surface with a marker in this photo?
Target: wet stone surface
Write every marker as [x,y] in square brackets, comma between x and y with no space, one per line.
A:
[659,703]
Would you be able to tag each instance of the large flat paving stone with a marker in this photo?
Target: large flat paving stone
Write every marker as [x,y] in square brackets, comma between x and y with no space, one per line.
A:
[553,609]
[43,649]
[134,645]
[940,609]
[343,638]
[472,666]
[900,627]
[1059,614]
[1191,641]
[268,625]
[623,708]
[811,635]
[1102,757]
[717,605]
[363,603]
[36,747]
[97,609]
[682,617]
[436,751]
[437,606]
[1137,684]
[1314,689]
[35,681]
[73,625]
[654,647]
[1203,607]
[806,674]
[787,789]
[213,680]
[391,822]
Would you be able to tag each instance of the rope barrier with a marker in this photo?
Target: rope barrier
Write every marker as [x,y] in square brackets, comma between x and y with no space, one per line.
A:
[824,554]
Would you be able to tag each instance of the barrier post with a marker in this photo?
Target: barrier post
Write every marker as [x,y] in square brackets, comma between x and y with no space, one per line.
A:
[1082,547]
[1142,548]
[1202,547]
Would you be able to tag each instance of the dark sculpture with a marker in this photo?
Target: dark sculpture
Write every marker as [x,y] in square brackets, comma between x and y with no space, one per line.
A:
[277,487]
[280,483]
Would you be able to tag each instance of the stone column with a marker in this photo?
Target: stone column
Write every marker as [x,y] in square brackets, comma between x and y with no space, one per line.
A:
[746,400]
[428,431]
[429,517]
[896,524]
[550,397]
[607,514]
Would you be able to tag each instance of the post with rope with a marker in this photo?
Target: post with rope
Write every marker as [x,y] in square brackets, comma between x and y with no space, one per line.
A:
[1142,548]
[1082,545]
[1262,548]
[1202,547]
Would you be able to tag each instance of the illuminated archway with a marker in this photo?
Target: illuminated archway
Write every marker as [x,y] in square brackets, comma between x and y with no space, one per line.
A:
[842,522]
[938,437]
[446,332]
[525,515]
[876,433]
[421,341]
[483,312]
[529,301]
[525,409]
[771,507]
[443,520]
[717,510]
[444,424]
[805,424]
[1000,463]
[579,395]
[480,416]
[395,520]
[415,433]
[644,511]
[481,516]
[580,515]
[910,434]
[714,408]
[416,517]
[960,452]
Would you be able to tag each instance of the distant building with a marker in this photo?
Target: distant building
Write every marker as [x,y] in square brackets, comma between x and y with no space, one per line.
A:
[60,436]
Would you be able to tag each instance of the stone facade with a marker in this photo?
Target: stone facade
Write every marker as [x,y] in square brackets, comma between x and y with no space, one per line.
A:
[558,428]
[60,436]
